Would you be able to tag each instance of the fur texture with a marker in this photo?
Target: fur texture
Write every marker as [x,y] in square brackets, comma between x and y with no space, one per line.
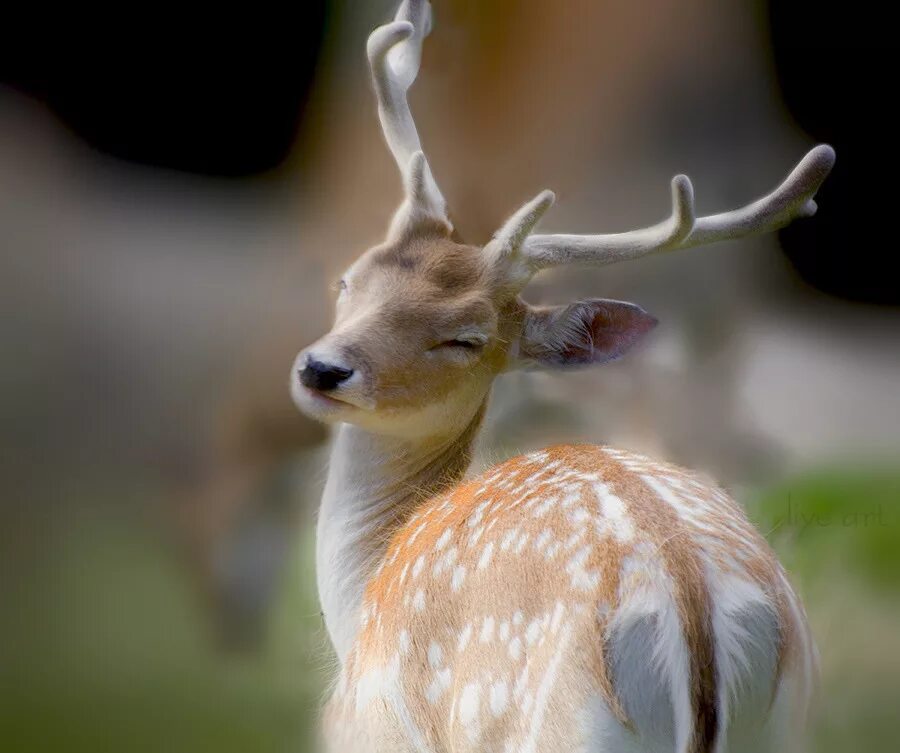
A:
[582,599]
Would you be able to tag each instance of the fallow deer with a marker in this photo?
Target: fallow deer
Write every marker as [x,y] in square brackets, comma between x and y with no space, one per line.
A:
[578,598]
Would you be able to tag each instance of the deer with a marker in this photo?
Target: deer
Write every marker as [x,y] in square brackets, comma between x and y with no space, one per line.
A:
[575,598]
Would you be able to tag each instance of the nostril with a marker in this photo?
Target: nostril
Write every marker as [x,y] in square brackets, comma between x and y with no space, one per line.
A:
[323,376]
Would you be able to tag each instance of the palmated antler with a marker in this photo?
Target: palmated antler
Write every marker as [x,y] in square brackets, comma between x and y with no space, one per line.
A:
[395,53]
[791,200]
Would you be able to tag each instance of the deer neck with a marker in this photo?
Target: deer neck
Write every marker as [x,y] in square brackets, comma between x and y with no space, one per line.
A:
[374,485]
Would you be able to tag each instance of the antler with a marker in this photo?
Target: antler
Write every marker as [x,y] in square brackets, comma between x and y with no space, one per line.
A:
[792,199]
[395,52]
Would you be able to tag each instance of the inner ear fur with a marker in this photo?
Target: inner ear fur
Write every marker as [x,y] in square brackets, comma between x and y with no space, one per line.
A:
[591,331]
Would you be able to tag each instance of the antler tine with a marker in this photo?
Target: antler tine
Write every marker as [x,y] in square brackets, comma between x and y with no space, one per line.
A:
[395,52]
[517,228]
[791,200]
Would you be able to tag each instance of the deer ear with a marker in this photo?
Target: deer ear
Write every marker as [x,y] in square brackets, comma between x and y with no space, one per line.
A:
[586,332]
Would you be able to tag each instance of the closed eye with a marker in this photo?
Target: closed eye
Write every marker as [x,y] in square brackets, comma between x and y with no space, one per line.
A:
[467,344]
[472,342]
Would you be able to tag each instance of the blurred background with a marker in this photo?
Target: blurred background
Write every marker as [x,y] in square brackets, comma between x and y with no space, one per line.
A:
[179,190]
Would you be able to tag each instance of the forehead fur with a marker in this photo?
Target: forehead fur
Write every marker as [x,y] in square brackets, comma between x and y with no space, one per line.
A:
[439,263]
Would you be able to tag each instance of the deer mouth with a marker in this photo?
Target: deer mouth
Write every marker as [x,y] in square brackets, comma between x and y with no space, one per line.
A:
[321,397]
[325,404]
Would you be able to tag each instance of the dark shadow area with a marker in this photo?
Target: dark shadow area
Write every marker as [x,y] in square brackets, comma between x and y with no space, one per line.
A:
[831,63]
[220,93]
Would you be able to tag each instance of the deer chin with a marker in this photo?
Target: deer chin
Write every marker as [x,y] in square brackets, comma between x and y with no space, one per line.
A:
[332,407]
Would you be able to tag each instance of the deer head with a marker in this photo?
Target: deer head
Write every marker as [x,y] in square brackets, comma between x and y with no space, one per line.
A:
[425,323]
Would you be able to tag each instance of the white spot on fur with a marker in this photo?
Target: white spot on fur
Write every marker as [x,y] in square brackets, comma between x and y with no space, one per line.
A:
[469,707]
[521,683]
[499,697]
[464,637]
[520,544]
[558,612]
[459,575]
[578,516]
[527,700]
[443,540]
[416,534]
[439,684]
[615,516]
[542,540]
[445,562]
[486,555]
[581,578]
[570,499]
[477,515]
[545,506]
[508,538]
[533,632]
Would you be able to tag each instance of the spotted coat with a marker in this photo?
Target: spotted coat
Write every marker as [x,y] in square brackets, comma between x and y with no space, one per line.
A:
[510,612]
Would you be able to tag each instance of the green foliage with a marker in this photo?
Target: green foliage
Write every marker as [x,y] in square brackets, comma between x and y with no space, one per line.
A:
[838,534]
[834,519]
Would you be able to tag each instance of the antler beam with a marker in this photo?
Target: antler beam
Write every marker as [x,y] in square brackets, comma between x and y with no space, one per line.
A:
[791,200]
[395,53]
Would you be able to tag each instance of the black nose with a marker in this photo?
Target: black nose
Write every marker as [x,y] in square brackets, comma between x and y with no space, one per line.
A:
[323,376]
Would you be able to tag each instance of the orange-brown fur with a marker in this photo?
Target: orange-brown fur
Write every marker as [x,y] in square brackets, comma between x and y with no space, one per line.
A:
[433,601]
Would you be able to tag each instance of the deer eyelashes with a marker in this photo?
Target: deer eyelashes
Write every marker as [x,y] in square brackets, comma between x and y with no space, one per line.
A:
[468,341]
